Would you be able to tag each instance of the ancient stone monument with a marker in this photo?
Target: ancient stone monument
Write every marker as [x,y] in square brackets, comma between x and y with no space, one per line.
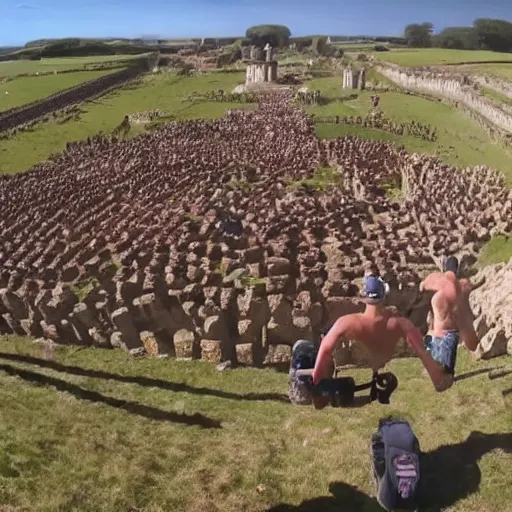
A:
[354,79]
[262,66]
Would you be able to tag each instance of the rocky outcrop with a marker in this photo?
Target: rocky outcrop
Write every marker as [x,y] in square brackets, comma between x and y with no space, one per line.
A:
[492,306]
[229,239]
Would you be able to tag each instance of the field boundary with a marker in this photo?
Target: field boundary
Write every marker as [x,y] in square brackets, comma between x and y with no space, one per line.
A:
[17,116]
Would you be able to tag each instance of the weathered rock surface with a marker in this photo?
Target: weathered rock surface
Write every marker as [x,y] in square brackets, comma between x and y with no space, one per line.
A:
[230,239]
[492,306]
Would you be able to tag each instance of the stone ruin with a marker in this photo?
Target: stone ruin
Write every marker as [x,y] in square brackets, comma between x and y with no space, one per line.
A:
[354,79]
[229,239]
[261,68]
[450,86]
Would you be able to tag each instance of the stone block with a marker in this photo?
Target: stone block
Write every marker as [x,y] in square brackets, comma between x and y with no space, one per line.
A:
[244,354]
[154,343]
[215,328]
[280,284]
[211,350]
[123,322]
[14,303]
[186,344]
[14,324]
[49,331]
[493,344]
[278,354]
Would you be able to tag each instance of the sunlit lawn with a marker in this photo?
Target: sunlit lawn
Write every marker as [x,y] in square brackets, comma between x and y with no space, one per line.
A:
[439,56]
[166,92]
[21,67]
[31,88]
[96,430]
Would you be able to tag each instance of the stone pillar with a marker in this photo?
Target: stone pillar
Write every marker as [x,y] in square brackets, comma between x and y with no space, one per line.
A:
[268,53]
[354,78]
[362,79]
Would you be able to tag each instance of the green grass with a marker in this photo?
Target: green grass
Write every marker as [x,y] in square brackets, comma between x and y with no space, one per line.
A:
[75,440]
[31,88]
[438,56]
[496,96]
[461,142]
[497,250]
[323,178]
[21,67]
[157,92]
[503,71]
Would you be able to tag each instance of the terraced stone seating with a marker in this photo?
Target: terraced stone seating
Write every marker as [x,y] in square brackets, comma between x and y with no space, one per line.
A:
[221,239]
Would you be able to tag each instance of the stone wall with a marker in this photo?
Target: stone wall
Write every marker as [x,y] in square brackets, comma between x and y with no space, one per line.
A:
[496,84]
[450,87]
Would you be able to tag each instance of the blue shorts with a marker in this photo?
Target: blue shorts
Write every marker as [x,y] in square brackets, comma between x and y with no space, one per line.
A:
[443,349]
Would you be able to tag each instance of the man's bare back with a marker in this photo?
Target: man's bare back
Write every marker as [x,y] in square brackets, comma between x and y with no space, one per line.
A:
[379,329]
[452,320]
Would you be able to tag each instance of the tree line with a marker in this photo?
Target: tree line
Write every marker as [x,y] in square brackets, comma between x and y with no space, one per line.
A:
[485,34]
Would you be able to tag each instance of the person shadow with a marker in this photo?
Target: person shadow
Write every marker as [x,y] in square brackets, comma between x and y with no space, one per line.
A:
[344,497]
[448,474]
[451,472]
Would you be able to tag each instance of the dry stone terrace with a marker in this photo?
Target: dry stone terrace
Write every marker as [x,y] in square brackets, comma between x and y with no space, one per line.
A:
[228,239]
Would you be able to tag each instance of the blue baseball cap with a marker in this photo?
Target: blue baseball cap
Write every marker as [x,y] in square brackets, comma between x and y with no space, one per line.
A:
[451,264]
[375,288]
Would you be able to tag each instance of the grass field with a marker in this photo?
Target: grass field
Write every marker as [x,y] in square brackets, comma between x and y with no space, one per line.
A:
[31,88]
[496,96]
[439,56]
[460,141]
[159,91]
[21,67]
[503,71]
[96,430]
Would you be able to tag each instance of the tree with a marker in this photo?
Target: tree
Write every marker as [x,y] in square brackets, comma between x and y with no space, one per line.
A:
[460,38]
[275,35]
[419,35]
[495,35]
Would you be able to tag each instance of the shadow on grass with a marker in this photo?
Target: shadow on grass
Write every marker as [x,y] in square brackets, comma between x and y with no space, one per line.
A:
[475,373]
[500,372]
[92,396]
[142,381]
[451,473]
[344,497]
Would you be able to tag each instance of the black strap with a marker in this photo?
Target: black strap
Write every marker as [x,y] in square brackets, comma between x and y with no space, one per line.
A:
[341,390]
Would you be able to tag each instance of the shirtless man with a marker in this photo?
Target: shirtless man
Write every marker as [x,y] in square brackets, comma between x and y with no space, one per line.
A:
[378,328]
[452,320]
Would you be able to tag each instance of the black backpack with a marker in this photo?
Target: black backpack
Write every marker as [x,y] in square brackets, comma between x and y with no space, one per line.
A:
[395,454]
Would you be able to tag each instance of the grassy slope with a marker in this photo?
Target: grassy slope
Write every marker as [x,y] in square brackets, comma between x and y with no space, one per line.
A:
[159,91]
[460,141]
[497,250]
[21,67]
[59,451]
[496,96]
[31,88]
[438,56]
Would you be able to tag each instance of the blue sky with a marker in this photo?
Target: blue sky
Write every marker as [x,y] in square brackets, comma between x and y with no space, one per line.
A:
[23,20]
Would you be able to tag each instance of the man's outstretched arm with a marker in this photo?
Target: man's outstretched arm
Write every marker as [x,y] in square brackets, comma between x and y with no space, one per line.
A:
[323,362]
[438,376]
